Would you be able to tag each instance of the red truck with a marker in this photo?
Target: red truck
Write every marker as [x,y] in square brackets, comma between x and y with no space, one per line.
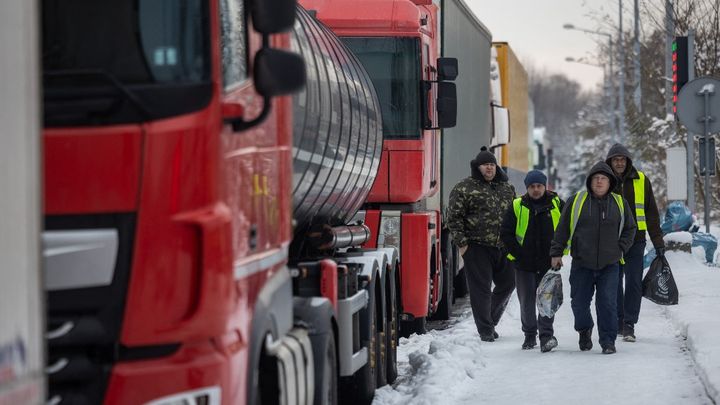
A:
[398,43]
[200,235]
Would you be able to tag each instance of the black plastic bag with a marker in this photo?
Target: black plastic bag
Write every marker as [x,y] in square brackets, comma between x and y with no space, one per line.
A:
[659,284]
[549,294]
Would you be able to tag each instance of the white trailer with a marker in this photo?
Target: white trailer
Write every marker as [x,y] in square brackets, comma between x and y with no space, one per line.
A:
[21,303]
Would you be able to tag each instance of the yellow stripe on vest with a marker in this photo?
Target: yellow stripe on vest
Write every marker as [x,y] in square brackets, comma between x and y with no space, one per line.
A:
[522,219]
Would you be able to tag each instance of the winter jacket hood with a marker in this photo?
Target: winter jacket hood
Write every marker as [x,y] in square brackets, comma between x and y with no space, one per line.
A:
[619,150]
[602,168]
[476,208]
[595,242]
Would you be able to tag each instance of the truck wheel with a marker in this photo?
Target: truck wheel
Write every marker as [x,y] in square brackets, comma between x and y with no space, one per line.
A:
[326,370]
[461,287]
[391,334]
[380,337]
[417,325]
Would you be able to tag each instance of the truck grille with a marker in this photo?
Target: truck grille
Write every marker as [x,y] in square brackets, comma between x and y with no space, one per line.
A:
[85,312]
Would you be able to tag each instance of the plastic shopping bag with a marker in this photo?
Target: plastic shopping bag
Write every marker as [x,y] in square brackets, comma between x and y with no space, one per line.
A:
[659,284]
[549,294]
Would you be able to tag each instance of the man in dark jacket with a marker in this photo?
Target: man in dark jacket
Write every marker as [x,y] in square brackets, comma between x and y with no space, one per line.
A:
[637,190]
[600,228]
[475,212]
[527,229]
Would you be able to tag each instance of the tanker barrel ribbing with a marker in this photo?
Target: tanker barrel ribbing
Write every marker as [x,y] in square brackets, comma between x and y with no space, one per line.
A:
[337,130]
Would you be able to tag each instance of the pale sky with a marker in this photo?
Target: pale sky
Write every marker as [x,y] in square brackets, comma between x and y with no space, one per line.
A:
[534,29]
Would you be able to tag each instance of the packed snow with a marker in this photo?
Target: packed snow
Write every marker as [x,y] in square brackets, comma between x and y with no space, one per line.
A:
[676,358]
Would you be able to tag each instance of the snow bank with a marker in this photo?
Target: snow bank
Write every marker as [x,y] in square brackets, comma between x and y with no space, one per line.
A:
[697,315]
[438,365]
[679,237]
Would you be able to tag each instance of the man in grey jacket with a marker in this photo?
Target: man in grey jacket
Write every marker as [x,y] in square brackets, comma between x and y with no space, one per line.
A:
[598,227]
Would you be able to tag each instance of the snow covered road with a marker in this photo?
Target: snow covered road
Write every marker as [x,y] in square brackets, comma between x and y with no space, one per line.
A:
[452,365]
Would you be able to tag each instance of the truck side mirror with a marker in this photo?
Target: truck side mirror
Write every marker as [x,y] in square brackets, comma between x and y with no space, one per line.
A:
[500,126]
[273,16]
[447,69]
[447,105]
[277,72]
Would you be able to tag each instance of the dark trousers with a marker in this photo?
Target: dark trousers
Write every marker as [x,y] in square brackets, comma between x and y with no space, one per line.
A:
[628,304]
[485,265]
[527,283]
[583,282]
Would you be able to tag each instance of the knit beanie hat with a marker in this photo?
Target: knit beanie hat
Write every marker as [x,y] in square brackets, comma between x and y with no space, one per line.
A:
[485,156]
[535,177]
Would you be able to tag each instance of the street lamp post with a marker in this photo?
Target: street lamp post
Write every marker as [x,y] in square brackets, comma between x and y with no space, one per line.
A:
[613,120]
[621,79]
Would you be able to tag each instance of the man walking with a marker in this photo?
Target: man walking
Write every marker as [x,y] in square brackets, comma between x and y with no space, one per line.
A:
[599,229]
[475,212]
[637,190]
[527,230]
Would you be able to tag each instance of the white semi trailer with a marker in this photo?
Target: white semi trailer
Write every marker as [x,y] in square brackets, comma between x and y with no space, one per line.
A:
[21,303]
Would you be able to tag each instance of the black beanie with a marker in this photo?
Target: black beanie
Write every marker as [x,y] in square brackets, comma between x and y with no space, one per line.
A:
[535,177]
[485,156]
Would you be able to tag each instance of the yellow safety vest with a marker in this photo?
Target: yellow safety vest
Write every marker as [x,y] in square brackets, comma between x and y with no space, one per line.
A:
[577,208]
[639,188]
[522,221]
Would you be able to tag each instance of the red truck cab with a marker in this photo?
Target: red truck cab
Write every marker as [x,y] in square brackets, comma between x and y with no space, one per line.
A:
[398,43]
[166,164]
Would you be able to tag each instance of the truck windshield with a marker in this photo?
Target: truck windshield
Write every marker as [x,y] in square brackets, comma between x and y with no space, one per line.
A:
[123,61]
[394,67]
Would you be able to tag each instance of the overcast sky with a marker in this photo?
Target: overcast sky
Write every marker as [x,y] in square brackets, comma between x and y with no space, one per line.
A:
[534,29]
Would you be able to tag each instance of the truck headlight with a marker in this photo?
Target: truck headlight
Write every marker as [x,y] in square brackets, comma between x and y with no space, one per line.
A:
[389,230]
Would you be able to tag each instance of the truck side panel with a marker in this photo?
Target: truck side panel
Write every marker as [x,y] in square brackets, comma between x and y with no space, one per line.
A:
[21,305]
[468,40]
[514,81]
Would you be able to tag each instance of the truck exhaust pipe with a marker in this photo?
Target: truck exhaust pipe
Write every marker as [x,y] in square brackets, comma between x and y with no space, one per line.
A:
[325,237]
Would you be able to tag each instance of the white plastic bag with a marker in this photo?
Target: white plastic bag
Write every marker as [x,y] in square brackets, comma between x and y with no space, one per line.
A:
[549,294]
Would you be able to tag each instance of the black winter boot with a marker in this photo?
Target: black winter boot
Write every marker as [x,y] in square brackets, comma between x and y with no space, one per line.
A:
[585,341]
[529,343]
[608,349]
[628,332]
[548,343]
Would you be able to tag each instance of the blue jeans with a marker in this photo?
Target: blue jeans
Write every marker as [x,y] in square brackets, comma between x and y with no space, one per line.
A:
[628,304]
[583,282]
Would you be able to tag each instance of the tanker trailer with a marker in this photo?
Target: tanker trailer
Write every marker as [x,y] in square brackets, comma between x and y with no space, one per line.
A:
[337,144]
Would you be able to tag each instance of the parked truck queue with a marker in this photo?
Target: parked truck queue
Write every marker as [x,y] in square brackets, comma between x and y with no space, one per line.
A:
[243,202]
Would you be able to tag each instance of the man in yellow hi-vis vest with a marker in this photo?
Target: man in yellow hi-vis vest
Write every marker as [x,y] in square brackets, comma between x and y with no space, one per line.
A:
[527,229]
[598,227]
[637,190]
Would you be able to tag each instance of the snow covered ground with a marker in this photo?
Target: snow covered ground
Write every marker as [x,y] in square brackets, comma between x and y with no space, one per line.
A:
[676,359]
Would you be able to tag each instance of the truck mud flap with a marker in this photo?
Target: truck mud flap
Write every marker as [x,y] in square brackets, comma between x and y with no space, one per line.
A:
[350,362]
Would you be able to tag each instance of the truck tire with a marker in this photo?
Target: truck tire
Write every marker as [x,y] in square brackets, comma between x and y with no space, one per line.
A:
[392,329]
[444,310]
[417,325]
[381,335]
[461,286]
[326,372]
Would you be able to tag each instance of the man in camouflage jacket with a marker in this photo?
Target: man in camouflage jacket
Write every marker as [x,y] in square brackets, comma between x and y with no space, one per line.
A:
[475,213]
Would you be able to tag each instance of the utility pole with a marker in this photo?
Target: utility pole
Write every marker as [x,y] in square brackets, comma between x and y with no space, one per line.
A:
[611,92]
[637,95]
[669,38]
[690,138]
[621,85]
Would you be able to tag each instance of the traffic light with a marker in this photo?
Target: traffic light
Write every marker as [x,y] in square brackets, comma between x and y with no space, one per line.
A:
[679,67]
